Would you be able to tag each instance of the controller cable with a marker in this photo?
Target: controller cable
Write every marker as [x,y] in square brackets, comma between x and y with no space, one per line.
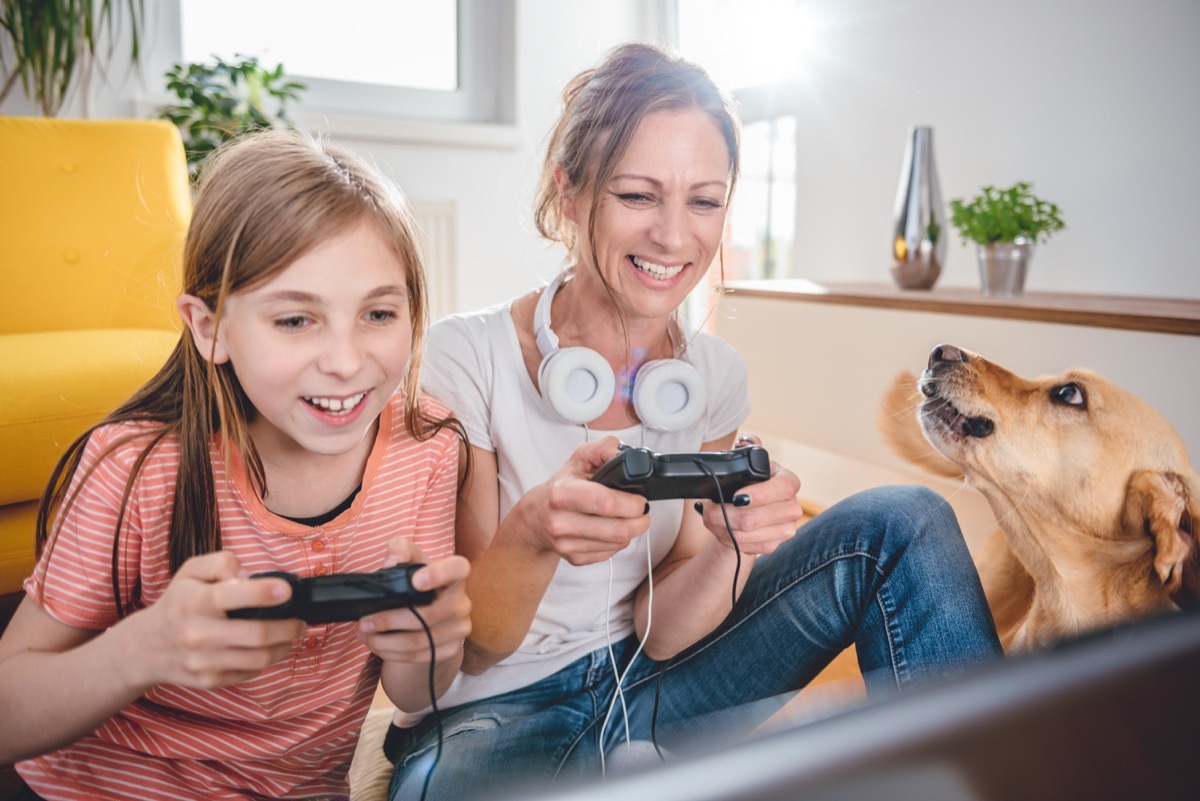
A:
[737,570]
[432,701]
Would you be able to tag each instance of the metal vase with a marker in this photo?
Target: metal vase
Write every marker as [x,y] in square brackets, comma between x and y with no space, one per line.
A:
[919,235]
[1002,267]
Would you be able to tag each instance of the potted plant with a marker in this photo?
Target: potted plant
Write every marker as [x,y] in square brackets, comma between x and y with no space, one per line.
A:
[53,42]
[224,99]
[1005,224]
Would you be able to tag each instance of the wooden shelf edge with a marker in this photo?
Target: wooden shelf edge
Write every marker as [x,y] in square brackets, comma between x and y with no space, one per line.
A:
[1157,315]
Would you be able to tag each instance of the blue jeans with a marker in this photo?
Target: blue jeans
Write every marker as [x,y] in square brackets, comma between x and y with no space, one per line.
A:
[886,570]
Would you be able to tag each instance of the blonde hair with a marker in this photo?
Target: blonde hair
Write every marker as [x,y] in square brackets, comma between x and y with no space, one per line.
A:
[262,202]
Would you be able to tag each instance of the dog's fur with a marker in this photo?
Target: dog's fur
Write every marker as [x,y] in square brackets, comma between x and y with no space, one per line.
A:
[1097,503]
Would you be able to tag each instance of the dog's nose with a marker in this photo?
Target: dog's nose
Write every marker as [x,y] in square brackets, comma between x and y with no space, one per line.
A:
[946,353]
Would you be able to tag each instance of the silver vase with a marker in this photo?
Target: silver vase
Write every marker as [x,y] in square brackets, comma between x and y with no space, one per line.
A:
[919,235]
[1002,267]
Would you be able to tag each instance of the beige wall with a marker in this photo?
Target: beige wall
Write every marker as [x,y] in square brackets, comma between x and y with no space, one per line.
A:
[818,371]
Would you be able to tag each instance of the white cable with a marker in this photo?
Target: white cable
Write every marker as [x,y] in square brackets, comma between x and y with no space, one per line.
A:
[612,660]
[621,678]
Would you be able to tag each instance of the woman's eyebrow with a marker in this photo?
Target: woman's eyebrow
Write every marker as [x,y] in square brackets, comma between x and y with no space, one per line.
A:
[722,182]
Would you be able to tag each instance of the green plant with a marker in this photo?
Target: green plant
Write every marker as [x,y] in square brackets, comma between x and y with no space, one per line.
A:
[1005,215]
[224,99]
[51,39]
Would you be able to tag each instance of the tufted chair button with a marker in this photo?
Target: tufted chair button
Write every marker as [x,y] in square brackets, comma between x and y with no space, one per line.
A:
[69,167]
[71,257]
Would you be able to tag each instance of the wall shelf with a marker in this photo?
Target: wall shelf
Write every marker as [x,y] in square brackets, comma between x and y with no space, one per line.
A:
[1160,315]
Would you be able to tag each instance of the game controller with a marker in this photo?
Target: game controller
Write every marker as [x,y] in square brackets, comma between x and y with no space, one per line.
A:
[340,598]
[661,476]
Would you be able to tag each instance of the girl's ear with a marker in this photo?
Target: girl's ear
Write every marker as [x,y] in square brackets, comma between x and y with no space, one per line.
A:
[201,321]
[566,194]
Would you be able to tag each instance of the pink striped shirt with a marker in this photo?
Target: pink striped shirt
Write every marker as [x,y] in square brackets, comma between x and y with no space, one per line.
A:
[290,732]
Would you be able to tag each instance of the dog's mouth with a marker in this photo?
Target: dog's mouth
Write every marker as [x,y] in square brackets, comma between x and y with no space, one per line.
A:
[941,414]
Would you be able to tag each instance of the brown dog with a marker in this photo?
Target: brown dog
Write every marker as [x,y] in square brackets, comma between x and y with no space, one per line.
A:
[1098,505]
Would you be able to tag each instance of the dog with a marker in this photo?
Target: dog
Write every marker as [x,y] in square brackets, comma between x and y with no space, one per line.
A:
[1097,503]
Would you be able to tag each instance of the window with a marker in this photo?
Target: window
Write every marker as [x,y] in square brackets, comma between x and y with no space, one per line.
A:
[754,48]
[432,60]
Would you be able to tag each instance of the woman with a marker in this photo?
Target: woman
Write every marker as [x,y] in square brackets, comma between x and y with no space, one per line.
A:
[636,183]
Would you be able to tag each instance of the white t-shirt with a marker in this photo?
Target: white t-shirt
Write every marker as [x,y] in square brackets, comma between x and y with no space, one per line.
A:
[473,364]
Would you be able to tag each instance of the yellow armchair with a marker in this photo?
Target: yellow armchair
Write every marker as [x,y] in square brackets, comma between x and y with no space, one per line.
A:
[92,221]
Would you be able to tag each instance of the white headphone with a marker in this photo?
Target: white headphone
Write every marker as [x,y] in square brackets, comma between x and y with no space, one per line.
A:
[668,394]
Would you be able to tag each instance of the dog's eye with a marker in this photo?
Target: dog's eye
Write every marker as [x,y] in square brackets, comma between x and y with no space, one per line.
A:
[1069,394]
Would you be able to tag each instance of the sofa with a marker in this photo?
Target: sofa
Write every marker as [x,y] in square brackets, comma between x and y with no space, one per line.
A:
[92,222]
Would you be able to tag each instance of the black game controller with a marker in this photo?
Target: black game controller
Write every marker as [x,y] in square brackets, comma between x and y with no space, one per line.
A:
[339,598]
[659,476]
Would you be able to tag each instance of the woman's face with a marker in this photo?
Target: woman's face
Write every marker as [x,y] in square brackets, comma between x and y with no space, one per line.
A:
[660,217]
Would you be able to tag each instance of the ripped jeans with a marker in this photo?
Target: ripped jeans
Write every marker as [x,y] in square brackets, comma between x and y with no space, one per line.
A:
[886,570]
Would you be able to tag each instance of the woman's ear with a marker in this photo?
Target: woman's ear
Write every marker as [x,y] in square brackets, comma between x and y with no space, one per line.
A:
[201,321]
[566,194]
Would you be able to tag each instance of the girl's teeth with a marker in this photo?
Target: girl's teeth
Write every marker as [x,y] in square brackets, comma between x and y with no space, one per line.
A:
[337,405]
[657,270]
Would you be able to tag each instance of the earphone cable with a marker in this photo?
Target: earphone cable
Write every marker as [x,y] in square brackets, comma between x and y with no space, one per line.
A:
[641,644]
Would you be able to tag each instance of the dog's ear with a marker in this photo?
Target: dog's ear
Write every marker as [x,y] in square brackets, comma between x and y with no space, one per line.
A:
[901,431]
[1166,507]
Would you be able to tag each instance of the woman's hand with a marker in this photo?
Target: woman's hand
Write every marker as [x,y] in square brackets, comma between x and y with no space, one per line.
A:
[580,520]
[396,635]
[768,516]
[188,638]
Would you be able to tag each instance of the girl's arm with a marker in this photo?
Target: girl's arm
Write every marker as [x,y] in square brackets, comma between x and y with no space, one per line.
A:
[694,583]
[513,560]
[59,683]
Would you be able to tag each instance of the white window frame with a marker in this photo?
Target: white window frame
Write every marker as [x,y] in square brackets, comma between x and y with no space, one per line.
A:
[481,113]
[485,67]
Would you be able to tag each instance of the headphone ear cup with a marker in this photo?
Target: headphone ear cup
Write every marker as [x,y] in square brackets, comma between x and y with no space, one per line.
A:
[578,383]
[669,394]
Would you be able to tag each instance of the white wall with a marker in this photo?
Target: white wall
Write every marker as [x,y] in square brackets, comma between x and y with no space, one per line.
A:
[1094,101]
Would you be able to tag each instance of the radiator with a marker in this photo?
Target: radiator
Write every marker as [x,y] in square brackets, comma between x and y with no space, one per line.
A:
[436,219]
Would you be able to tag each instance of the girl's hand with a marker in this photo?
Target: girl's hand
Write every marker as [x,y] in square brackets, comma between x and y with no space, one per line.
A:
[766,520]
[191,642]
[582,521]
[396,635]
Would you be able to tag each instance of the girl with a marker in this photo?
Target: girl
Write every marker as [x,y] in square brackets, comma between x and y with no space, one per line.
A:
[638,175]
[285,432]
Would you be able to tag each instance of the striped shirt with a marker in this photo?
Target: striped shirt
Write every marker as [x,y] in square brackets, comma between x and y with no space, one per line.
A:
[290,732]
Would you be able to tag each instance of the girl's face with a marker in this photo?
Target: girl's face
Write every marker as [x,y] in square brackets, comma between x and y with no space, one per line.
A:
[322,346]
[661,216]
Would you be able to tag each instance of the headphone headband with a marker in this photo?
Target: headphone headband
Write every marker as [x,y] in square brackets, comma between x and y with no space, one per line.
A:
[547,340]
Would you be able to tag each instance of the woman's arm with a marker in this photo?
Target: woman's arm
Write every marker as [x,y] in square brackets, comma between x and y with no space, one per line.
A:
[513,560]
[59,683]
[693,584]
